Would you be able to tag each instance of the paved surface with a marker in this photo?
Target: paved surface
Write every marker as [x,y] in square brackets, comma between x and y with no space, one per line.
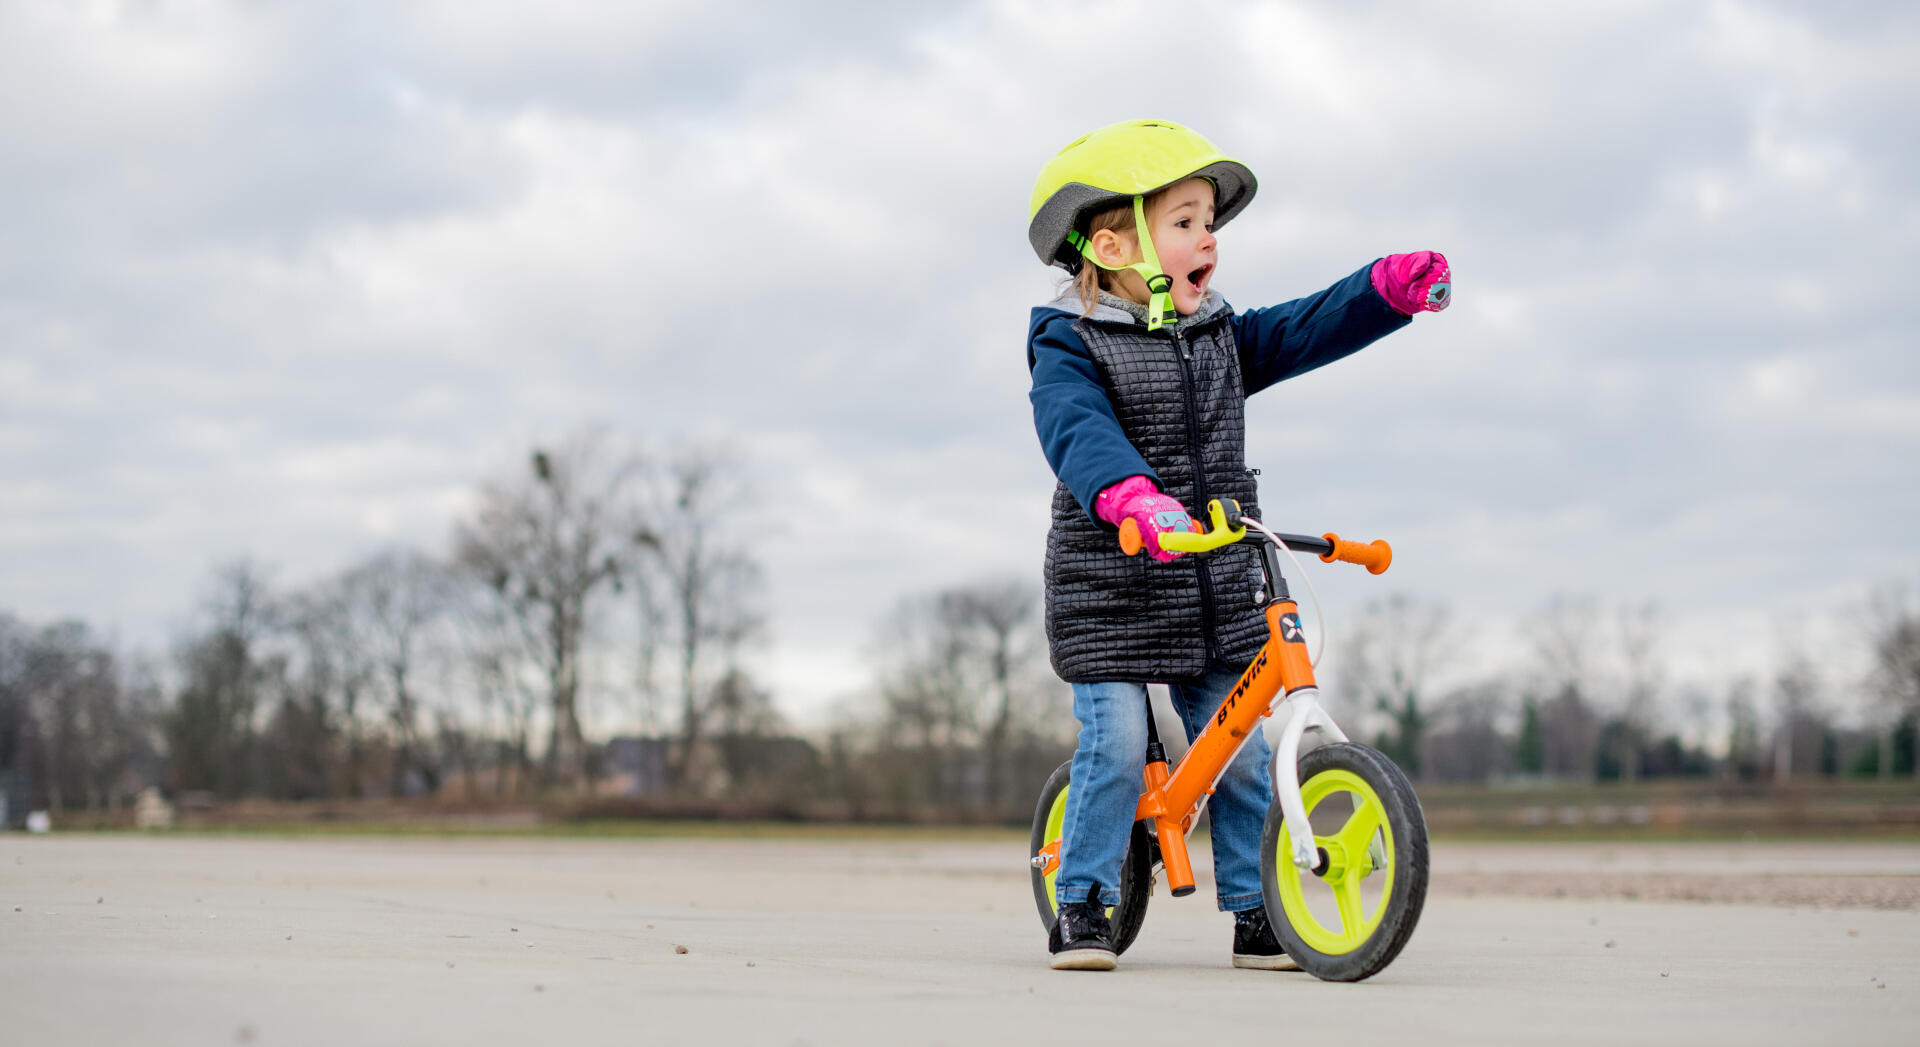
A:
[1821,876]
[163,940]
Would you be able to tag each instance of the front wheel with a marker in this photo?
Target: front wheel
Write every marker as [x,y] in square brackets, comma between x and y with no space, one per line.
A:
[1043,854]
[1346,919]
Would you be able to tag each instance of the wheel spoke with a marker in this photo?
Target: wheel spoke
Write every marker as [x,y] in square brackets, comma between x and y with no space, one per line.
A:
[1360,827]
[1346,895]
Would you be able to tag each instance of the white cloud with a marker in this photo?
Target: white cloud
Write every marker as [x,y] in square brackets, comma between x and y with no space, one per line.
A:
[287,283]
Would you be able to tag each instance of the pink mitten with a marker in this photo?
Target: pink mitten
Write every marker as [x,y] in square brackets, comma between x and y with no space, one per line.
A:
[1414,283]
[1136,498]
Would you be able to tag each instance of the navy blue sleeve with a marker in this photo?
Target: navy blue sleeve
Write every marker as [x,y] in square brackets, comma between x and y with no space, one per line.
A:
[1079,432]
[1295,337]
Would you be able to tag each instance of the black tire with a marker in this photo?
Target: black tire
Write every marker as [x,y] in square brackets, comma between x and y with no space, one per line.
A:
[1136,872]
[1402,901]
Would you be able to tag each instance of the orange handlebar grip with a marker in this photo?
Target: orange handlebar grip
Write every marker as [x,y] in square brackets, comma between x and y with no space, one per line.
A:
[1375,556]
[1130,542]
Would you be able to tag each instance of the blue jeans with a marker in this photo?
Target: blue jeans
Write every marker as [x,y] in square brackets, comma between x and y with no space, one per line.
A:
[1108,774]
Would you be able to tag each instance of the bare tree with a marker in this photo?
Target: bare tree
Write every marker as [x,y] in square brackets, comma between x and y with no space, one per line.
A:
[745,719]
[333,675]
[1894,680]
[121,719]
[1798,725]
[299,745]
[926,686]
[1645,675]
[62,675]
[1463,743]
[1391,656]
[1565,634]
[392,600]
[210,732]
[1744,757]
[650,619]
[17,736]
[74,722]
[708,584]
[493,650]
[962,695]
[997,624]
[546,542]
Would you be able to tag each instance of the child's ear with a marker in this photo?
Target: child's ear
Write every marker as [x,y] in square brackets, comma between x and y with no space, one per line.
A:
[1113,250]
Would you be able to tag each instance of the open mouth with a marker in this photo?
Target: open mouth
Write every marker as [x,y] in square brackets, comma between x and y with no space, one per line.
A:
[1198,278]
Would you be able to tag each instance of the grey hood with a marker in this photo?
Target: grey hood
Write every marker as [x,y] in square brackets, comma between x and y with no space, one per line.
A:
[1114,309]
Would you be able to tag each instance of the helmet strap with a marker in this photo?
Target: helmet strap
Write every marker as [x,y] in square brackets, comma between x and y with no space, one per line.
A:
[1160,310]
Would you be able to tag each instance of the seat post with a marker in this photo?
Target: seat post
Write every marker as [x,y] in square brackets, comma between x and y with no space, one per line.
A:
[1168,828]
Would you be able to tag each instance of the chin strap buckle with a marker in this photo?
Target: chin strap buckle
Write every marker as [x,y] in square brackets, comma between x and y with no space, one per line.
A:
[1160,310]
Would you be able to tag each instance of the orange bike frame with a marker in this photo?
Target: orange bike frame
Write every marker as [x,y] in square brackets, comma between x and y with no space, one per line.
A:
[1281,672]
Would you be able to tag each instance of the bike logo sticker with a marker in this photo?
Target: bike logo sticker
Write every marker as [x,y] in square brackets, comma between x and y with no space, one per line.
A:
[1246,681]
[1290,629]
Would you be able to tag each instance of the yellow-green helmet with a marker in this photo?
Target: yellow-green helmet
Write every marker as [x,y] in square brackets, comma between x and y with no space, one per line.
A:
[1118,162]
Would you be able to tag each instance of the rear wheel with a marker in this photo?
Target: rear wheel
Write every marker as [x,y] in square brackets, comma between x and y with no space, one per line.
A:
[1136,872]
[1348,918]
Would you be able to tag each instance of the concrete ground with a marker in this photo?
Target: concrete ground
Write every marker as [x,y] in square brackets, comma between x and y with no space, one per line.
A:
[122,939]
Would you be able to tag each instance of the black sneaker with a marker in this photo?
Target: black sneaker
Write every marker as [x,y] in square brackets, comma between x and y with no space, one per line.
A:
[1254,944]
[1081,939]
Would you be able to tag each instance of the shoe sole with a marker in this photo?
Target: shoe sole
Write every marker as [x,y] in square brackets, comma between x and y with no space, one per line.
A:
[1265,963]
[1085,960]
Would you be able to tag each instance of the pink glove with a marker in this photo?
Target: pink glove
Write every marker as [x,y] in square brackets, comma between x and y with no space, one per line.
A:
[1136,498]
[1414,283]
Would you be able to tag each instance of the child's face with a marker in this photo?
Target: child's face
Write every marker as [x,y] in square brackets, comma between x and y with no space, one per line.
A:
[1182,228]
[1183,235]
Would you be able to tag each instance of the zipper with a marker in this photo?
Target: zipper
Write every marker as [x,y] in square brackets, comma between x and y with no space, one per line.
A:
[1199,483]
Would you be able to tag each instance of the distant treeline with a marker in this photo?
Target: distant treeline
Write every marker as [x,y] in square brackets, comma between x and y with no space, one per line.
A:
[595,574]
[588,573]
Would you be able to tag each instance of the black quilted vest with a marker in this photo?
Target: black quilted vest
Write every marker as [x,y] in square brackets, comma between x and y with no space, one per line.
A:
[1181,401]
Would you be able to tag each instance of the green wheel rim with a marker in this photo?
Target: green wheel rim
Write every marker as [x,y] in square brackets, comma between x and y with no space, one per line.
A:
[1351,858]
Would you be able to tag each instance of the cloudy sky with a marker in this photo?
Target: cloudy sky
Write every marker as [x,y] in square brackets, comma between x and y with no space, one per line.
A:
[288,281]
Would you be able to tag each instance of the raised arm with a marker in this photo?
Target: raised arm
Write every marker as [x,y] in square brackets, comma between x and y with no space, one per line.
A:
[1281,341]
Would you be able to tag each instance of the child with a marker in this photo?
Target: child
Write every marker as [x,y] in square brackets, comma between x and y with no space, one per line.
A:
[1140,377]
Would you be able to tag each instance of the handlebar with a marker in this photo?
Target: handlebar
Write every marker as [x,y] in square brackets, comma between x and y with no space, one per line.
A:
[1375,556]
[1227,529]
